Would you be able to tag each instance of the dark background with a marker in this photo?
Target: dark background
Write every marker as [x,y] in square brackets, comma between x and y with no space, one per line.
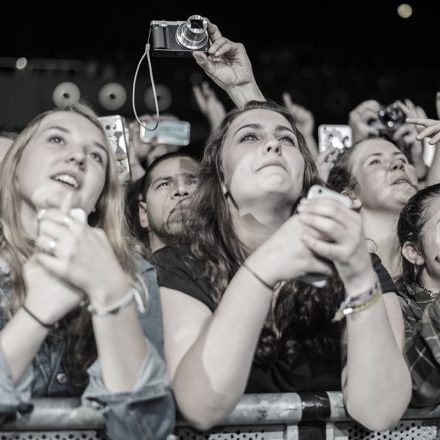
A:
[329,55]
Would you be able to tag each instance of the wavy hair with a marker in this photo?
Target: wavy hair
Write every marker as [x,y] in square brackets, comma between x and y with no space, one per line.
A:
[412,219]
[16,248]
[302,314]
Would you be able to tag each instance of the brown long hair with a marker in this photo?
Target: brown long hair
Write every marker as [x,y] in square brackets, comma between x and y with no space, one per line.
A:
[16,248]
[302,314]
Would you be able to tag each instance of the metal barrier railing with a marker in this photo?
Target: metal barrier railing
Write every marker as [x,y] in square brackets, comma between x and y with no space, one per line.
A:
[257,416]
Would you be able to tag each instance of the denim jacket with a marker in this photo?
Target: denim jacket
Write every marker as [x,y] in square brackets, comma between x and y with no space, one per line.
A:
[145,413]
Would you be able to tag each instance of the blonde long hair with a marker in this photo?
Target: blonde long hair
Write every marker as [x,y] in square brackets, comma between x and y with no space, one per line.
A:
[16,248]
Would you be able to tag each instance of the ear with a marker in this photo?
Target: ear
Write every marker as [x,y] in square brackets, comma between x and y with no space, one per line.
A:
[356,203]
[143,217]
[412,254]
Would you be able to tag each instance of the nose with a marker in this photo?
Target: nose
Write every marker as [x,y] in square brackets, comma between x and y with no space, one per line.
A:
[272,146]
[397,164]
[181,190]
[77,156]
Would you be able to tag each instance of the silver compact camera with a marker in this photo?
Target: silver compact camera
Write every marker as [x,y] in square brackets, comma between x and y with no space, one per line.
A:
[179,38]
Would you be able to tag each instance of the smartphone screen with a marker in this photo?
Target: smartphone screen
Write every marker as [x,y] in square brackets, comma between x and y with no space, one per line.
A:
[170,132]
[334,136]
[116,131]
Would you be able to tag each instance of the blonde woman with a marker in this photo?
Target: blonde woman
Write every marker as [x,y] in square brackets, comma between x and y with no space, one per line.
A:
[79,315]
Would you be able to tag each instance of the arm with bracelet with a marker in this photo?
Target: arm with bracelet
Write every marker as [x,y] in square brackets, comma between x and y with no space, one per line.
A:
[373,360]
[70,272]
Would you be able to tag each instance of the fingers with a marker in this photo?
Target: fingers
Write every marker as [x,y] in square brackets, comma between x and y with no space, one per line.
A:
[430,131]
[213,31]
[324,249]
[200,99]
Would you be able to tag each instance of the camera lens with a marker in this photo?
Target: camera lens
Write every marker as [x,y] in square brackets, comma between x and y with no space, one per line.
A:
[193,34]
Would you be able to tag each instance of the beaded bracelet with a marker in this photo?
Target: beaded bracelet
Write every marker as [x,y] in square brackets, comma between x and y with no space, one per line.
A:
[115,307]
[358,303]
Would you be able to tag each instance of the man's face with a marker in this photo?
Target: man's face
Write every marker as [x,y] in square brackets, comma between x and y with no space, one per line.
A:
[172,182]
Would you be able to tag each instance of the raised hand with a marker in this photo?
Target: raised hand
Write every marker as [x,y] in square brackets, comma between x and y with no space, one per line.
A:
[427,128]
[228,65]
[303,118]
[209,104]
[360,119]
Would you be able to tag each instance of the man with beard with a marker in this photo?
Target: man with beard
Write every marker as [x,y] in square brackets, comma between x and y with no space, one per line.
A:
[162,198]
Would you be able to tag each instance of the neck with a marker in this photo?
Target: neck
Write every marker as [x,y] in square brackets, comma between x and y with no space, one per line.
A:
[381,228]
[255,224]
[155,242]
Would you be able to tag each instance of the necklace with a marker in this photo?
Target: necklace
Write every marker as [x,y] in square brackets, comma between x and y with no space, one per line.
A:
[432,294]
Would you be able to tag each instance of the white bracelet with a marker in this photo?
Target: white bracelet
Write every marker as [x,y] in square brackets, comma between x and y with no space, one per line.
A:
[115,307]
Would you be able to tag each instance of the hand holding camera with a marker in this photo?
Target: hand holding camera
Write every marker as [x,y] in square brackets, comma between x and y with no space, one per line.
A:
[228,65]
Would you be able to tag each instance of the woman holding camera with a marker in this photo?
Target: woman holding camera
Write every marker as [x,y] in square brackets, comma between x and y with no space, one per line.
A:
[78,313]
[236,318]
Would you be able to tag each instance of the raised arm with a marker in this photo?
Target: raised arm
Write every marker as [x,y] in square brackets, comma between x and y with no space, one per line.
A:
[376,381]
[210,354]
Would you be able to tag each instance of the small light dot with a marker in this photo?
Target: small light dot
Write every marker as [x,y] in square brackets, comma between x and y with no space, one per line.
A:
[405,10]
[21,63]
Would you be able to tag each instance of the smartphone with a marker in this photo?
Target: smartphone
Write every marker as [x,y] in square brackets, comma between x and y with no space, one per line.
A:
[318,191]
[116,130]
[169,131]
[334,136]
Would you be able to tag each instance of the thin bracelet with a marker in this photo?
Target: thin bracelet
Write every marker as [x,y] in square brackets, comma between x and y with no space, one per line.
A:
[43,324]
[115,307]
[264,283]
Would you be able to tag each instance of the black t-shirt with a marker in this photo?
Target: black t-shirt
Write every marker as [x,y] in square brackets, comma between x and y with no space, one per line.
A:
[300,373]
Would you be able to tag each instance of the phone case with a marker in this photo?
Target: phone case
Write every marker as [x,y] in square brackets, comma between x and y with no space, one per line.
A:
[116,131]
[170,132]
[334,136]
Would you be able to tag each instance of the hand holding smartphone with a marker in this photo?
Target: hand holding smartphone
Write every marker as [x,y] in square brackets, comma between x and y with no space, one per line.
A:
[318,191]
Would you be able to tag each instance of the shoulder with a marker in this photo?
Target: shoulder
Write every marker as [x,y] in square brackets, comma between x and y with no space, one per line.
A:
[177,272]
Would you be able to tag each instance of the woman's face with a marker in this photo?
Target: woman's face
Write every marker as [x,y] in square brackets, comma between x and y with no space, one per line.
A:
[261,158]
[386,179]
[67,155]
[431,240]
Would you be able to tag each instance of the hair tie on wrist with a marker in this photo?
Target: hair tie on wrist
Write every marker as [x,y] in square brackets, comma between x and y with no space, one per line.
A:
[43,324]
[264,283]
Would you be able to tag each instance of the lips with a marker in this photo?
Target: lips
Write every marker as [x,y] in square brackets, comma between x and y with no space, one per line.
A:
[401,179]
[68,179]
[271,164]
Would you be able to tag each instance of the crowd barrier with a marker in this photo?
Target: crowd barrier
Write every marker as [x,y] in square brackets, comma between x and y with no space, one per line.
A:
[286,416]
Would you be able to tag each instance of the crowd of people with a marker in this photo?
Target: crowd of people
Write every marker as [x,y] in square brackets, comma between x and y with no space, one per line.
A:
[194,284]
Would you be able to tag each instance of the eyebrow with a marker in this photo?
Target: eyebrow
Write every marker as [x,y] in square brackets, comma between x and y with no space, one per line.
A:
[396,153]
[259,127]
[67,131]
[185,174]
